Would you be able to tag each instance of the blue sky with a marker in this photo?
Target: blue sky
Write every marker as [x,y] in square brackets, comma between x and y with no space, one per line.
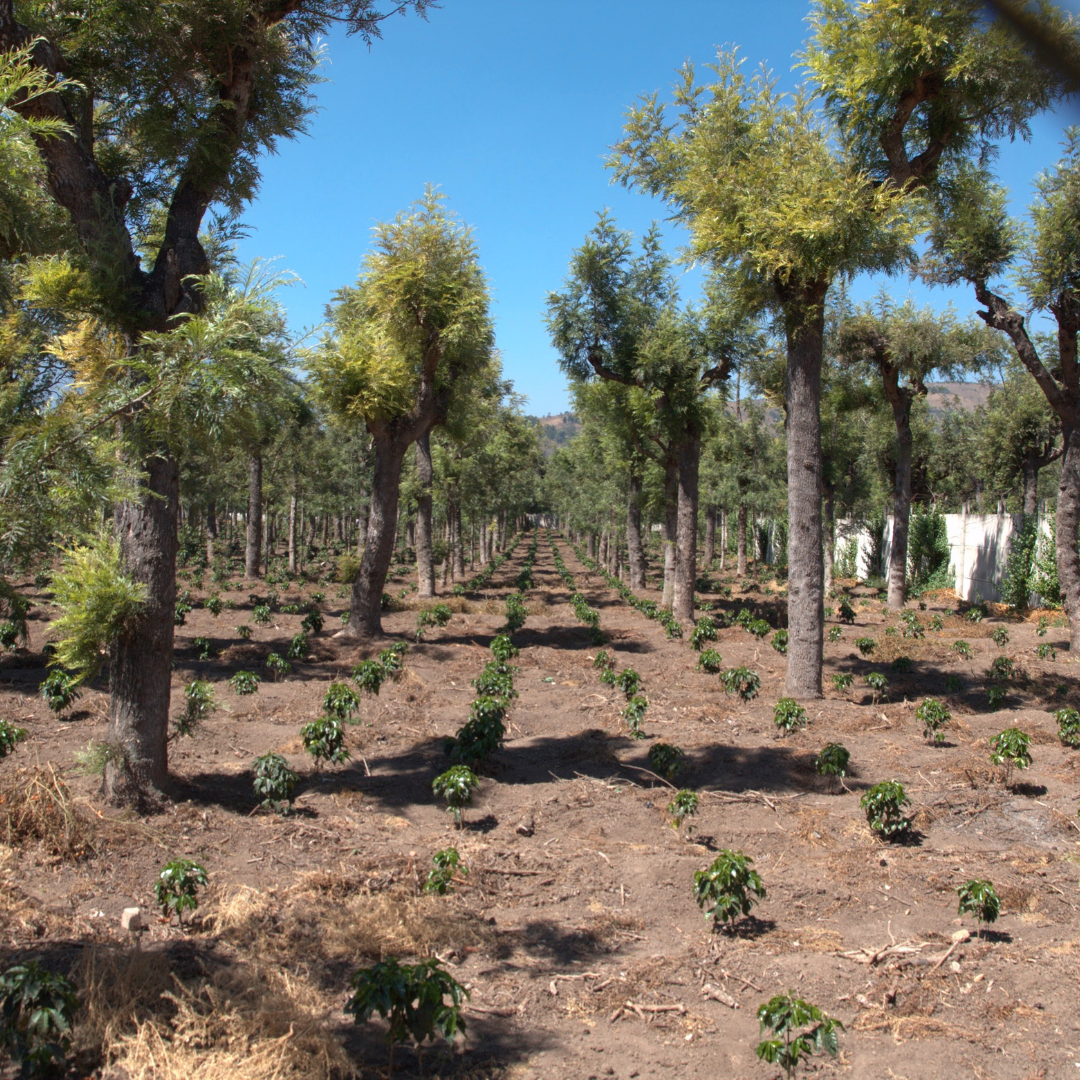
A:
[509,107]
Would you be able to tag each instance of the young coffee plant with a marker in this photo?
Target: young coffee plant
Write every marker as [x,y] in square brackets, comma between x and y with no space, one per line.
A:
[780,640]
[324,740]
[936,622]
[902,664]
[214,605]
[456,786]
[979,898]
[832,760]
[913,628]
[835,633]
[703,632]
[245,682]
[244,632]
[789,715]
[934,716]
[204,650]
[504,650]
[440,877]
[392,658]
[760,628]
[312,622]
[710,661]
[799,1030]
[1042,626]
[975,615]
[275,782]
[865,645]
[278,666]
[176,887]
[1011,749]
[953,684]
[341,701]
[37,1009]
[878,685]
[1068,721]
[634,715]
[60,691]
[741,681]
[198,705]
[10,737]
[481,735]
[515,612]
[1045,651]
[260,615]
[628,681]
[683,806]
[369,676]
[842,681]
[995,697]
[727,889]
[666,760]
[846,613]
[299,647]
[1000,636]
[962,648]
[411,998]
[496,680]
[604,661]
[884,807]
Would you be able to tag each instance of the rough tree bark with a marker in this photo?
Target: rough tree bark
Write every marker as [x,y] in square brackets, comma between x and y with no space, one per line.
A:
[830,536]
[671,528]
[740,540]
[292,530]
[458,546]
[635,550]
[686,529]
[211,530]
[425,473]
[710,537]
[253,548]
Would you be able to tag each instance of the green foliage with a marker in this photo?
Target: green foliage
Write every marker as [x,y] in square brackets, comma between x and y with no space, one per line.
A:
[628,681]
[1000,636]
[780,641]
[1045,651]
[962,648]
[299,647]
[936,622]
[634,715]
[847,613]
[342,701]
[710,661]
[1002,668]
[1017,582]
[934,716]
[417,1001]
[741,681]
[440,877]
[481,735]
[214,605]
[278,666]
[913,628]
[865,645]
[37,1009]
[1068,721]
[684,805]
[884,807]
[98,602]
[503,649]
[832,760]
[515,612]
[801,1029]
[975,615]
[203,648]
[759,628]
[789,715]
[724,889]
[1012,749]
[198,704]
[928,552]
[979,898]
[245,682]
[10,737]
[842,681]
[275,782]
[369,676]
[244,632]
[953,684]
[324,740]
[312,622]
[608,676]
[604,661]
[902,664]
[176,887]
[995,697]
[496,680]
[703,632]
[260,615]
[666,760]
[392,658]
[835,633]
[60,691]
[456,786]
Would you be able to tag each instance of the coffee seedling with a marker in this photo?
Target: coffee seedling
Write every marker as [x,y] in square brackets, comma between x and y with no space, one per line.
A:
[198,704]
[710,661]
[1002,668]
[975,615]
[902,664]
[312,622]
[936,622]
[177,885]
[628,681]
[37,1009]
[962,648]
[604,661]
[180,613]
[275,782]
[934,717]
[440,877]
[842,681]
[878,685]
[341,700]
[1011,749]
[318,597]
[504,650]
[832,760]
[780,640]
[456,786]
[260,615]
[912,627]
[244,631]
[392,658]
[666,760]
[684,805]
[411,998]
[608,677]
[789,715]
[203,649]
[995,697]
[979,898]
[846,613]
[1068,721]
[725,888]
[1045,651]
[1042,626]
[278,666]
[496,680]
[368,675]
[481,735]
[634,715]
[1000,636]
[884,807]
[704,632]
[741,681]
[953,684]
[515,612]
[299,647]
[759,628]
[214,605]
[865,645]
[835,633]
[324,740]
[800,1030]
[891,631]
[245,682]
[60,691]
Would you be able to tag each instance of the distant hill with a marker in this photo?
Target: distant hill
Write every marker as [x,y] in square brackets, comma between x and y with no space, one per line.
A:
[962,396]
[556,430]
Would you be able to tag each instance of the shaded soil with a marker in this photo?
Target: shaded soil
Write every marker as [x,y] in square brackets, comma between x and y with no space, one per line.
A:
[575,929]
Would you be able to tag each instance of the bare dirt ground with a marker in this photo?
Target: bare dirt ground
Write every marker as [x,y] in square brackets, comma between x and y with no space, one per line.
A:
[575,929]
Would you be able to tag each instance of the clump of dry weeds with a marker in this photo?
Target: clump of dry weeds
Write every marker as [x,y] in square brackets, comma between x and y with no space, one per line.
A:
[37,806]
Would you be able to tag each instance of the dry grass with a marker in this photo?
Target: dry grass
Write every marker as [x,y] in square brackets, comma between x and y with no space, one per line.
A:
[37,806]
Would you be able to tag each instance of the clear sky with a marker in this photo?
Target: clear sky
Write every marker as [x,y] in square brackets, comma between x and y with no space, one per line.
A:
[509,107]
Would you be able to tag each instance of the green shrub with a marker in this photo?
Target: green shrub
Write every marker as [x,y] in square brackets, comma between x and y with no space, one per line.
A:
[802,1030]
[37,1009]
[741,681]
[60,691]
[456,786]
[628,681]
[912,627]
[1017,583]
[934,717]
[936,622]
[324,740]
[878,684]
[846,613]
[369,676]
[176,887]
[245,682]
[902,664]
[260,615]
[604,661]
[789,715]
[979,898]
[832,760]
[1002,668]
[214,605]
[244,631]
[312,622]
[710,661]
[342,701]
[1068,721]
[842,681]
[198,705]
[995,698]
[953,684]
[724,889]
[496,680]
[634,715]
[865,645]
[780,641]
[684,805]
[1012,749]
[962,648]
[392,658]
[515,612]
[835,633]
[203,648]
[348,566]
[275,782]
[440,877]
[666,760]
[299,647]
[503,649]
[759,628]
[278,666]
[884,807]
[1000,636]
[703,632]
[10,737]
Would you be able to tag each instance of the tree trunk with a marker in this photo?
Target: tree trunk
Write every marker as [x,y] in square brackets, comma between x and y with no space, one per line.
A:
[830,536]
[253,550]
[602,559]
[140,661]
[365,617]
[1068,533]
[686,561]
[901,407]
[459,546]
[1031,485]
[741,541]
[635,551]
[710,537]
[211,530]
[671,528]
[425,473]
[292,530]
[805,317]
[723,539]
[590,544]
[361,532]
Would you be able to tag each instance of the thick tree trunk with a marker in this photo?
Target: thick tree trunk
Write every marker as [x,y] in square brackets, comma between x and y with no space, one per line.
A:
[425,474]
[292,531]
[253,550]
[1031,485]
[1068,533]
[635,551]
[140,661]
[805,317]
[710,538]
[686,561]
[671,529]
[365,617]
[741,542]
[901,504]
[590,544]
[211,530]
[361,532]
[830,536]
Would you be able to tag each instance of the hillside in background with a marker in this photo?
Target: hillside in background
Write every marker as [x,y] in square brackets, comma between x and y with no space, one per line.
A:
[555,430]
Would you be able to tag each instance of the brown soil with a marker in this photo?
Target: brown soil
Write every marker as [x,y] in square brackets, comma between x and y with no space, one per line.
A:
[575,929]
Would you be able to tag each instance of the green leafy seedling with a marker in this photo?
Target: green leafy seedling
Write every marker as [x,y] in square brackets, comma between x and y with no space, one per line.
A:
[445,864]
[975,615]
[760,628]
[1000,636]
[727,889]
[312,622]
[244,631]
[835,633]
[1045,651]
[604,661]
[799,1031]
[842,681]
[846,613]
[177,885]
[10,737]
[278,666]
[878,684]
[634,715]
[299,647]
[1011,749]
[683,806]
[342,701]
[666,760]
[741,681]
[203,648]
[865,645]
[710,661]
[703,632]
[912,627]
[936,622]
[245,682]
[953,684]
[496,680]
[1068,721]
[368,675]
[884,806]
[962,648]
[198,705]
[417,1001]
[780,641]
[456,786]
[979,898]
[503,649]
[214,605]
[902,664]
[1042,626]
[789,715]
[628,681]
[934,716]
[324,740]
[515,612]
[260,615]
[392,658]
[60,691]
[37,1009]
[995,697]
[275,782]
[832,760]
